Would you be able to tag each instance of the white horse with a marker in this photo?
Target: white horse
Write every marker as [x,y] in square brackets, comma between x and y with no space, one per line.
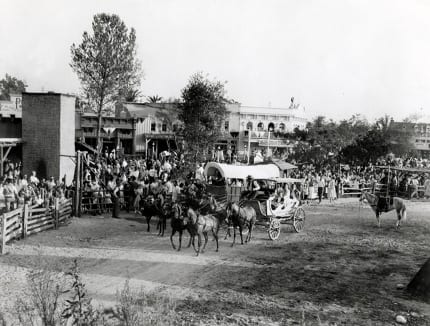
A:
[374,201]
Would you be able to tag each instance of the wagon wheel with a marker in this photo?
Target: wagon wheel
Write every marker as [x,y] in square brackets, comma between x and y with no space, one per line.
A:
[274,229]
[299,219]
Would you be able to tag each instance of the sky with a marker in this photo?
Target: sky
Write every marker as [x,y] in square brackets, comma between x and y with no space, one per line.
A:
[336,57]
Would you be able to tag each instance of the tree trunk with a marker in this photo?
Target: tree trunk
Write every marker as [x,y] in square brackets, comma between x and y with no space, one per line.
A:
[420,284]
[99,127]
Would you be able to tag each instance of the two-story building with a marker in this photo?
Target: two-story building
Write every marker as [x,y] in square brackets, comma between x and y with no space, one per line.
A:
[117,133]
[156,126]
[10,130]
[420,131]
[265,129]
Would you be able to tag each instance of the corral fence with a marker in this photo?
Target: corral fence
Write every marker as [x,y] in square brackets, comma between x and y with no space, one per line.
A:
[27,220]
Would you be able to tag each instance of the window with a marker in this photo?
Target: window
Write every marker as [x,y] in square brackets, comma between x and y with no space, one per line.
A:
[164,127]
[153,126]
[249,125]
[282,126]
[260,126]
[226,125]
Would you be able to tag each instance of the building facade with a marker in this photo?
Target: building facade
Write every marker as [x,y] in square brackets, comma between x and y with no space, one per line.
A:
[10,130]
[117,133]
[260,128]
[420,131]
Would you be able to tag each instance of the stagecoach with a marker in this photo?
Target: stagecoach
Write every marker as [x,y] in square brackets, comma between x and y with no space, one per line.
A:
[225,190]
[273,215]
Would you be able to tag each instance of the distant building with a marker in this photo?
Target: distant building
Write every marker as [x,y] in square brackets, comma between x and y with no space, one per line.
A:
[156,126]
[420,131]
[117,133]
[10,130]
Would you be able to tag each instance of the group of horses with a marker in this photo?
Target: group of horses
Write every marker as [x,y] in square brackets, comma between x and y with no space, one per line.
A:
[199,217]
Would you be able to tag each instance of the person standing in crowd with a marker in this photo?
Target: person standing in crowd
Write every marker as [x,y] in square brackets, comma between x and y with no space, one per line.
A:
[199,172]
[116,199]
[427,186]
[321,186]
[331,189]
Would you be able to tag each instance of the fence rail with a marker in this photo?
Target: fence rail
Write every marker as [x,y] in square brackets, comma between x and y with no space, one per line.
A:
[28,220]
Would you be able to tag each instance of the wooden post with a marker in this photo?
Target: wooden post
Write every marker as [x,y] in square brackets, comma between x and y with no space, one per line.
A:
[77,183]
[56,212]
[3,235]
[25,213]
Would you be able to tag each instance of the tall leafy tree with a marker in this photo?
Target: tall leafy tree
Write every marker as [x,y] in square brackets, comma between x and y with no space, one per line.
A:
[202,111]
[106,64]
[9,85]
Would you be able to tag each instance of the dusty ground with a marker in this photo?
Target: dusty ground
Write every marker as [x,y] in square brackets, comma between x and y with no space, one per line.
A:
[340,270]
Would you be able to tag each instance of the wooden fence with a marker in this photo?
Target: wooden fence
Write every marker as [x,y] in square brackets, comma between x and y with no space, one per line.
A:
[28,220]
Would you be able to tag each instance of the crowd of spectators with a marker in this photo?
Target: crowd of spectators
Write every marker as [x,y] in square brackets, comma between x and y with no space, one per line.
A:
[17,189]
[111,182]
[405,179]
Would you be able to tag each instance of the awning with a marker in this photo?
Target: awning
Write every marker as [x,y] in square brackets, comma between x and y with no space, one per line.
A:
[284,165]
[227,171]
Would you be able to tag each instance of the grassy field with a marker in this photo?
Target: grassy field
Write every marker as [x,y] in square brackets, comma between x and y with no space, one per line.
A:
[341,270]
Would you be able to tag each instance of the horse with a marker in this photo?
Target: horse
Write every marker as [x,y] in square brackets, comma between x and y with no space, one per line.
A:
[153,207]
[378,206]
[201,225]
[241,217]
[179,224]
[218,210]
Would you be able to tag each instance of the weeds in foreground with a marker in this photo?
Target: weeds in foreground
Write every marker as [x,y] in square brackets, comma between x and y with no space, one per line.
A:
[42,305]
[140,308]
[54,299]
[78,309]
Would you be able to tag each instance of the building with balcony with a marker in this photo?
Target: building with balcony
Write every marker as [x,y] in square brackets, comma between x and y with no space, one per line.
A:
[156,126]
[116,132]
[420,131]
[265,129]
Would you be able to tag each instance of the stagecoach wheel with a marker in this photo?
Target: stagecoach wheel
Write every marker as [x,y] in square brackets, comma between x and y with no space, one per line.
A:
[299,219]
[274,229]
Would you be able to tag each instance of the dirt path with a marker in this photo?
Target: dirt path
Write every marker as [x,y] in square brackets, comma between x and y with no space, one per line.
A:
[341,269]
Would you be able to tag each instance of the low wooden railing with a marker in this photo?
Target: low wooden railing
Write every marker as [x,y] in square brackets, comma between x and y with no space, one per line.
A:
[28,220]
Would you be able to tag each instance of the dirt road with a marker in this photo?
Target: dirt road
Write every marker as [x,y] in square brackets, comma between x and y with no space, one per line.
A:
[342,269]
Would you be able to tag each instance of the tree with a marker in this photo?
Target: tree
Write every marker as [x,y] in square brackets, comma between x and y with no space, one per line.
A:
[202,111]
[9,85]
[106,64]
[154,99]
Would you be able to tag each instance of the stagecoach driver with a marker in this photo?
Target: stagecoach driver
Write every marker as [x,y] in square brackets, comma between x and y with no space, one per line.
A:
[253,187]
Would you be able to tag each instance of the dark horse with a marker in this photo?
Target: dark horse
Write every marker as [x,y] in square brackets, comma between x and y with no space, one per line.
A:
[179,224]
[380,205]
[241,217]
[153,207]
[201,225]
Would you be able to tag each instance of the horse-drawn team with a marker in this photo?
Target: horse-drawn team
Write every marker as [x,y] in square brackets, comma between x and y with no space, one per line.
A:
[199,214]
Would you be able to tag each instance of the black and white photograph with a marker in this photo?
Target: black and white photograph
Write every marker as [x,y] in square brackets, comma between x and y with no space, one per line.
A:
[214,162]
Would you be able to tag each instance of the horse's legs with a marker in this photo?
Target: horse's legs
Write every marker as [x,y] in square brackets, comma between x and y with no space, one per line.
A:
[399,217]
[215,233]
[171,238]
[148,220]
[180,240]
[240,232]
[191,239]
[248,238]
[378,219]
[205,234]
[234,235]
[199,242]
[227,234]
